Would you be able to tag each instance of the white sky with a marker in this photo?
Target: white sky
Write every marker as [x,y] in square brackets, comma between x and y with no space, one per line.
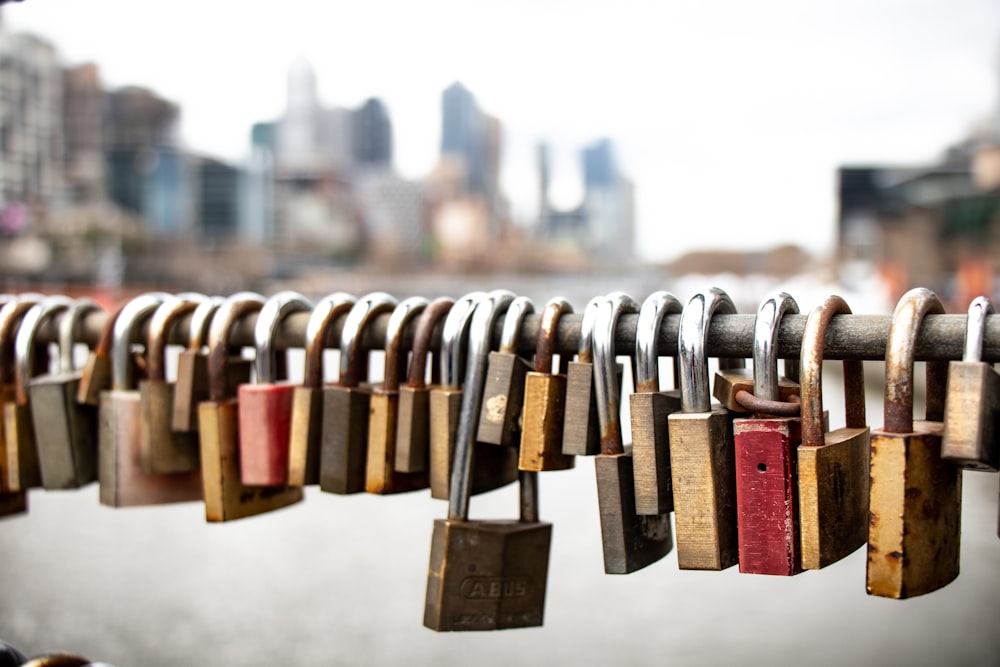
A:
[731,116]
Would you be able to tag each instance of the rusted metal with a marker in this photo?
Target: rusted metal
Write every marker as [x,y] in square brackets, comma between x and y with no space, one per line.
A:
[899,357]
[764,406]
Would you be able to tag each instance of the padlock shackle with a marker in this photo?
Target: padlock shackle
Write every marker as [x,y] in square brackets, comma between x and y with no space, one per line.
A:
[67,331]
[11,315]
[547,330]
[765,343]
[647,336]
[24,342]
[585,351]
[225,319]
[487,311]
[131,316]
[274,311]
[201,319]
[395,358]
[811,369]
[362,313]
[899,356]
[516,312]
[975,328]
[428,320]
[324,314]
[692,345]
[158,334]
[606,388]
[453,337]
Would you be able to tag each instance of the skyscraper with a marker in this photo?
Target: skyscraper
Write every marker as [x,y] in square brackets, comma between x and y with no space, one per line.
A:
[372,135]
[463,134]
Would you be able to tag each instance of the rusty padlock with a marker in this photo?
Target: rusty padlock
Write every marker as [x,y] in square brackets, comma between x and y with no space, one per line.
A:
[545,400]
[122,480]
[832,465]
[307,400]
[503,392]
[915,496]
[191,387]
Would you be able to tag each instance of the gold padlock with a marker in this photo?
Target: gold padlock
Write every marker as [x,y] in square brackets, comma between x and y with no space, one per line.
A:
[503,393]
[191,387]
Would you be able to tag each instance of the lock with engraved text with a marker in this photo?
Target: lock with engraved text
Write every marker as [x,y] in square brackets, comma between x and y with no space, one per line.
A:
[191,387]
[503,393]
[545,400]
[227,498]
[265,404]
[832,466]
[914,495]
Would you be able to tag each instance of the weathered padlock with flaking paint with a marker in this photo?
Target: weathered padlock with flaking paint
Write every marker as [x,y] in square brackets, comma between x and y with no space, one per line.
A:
[227,498]
[702,464]
[503,392]
[122,480]
[972,411]
[413,430]
[648,410]
[304,439]
[381,476]
[545,400]
[581,432]
[915,510]
[191,387]
[266,404]
[630,541]
[832,465]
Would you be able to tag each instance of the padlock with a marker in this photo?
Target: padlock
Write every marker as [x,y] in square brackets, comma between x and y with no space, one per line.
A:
[766,465]
[545,400]
[832,466]
[65,431]
[648,410]
[344,439]
[96,376]
[162,450]
[226,497]
[972,410]
[191,386]
[266,405]
[503,393]
[915,509]
[702,466]
[122,480]
[630,541]
[381,476]
[307,399]
[581,432]
[413,430]
[496,466]
[485,575]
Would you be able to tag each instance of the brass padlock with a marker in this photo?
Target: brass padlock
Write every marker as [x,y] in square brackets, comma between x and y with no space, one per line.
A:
[702,464]
[162,450]
[381,476]
[914,495]
[65,431]
[630,541]
[307,400]
[581,432]
[766,465]
[226,497]
[485,575]
[545,400]
[266,404]
[413,430]
[503,392]
[191,387]
[343,452]
[972,410]
[648,410]
[832,466]
[122,480]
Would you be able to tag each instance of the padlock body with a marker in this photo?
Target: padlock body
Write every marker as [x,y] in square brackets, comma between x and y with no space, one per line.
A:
[122,480]
[162,450]
[265,426]
[191,387]
[702,466]
[648,411]
[581,432]
[630,541]
[766,494]
[21,465]
[413,430]
[304,436]
[915,513]
[970,416]
[66,431]
[833,497]
[344,440]
[543,415]
[487,575]
[226,497]
[381,476]
[13,503]
[729,381]
[503,400]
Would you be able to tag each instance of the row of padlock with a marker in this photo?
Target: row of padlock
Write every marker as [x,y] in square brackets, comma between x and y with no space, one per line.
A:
[756,479]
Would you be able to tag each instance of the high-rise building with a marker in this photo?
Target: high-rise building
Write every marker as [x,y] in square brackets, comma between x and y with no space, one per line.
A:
[84,100]
[463,135]
[372,135]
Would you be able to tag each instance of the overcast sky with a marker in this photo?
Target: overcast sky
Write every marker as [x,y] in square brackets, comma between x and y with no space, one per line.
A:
[730,116]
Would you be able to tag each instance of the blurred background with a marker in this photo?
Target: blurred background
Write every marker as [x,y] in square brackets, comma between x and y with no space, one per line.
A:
[431,148]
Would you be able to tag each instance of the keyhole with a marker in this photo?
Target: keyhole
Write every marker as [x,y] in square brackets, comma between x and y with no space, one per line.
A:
[762,467]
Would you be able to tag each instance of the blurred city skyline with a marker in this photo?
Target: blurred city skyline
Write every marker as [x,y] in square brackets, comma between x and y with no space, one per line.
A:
[726,117]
